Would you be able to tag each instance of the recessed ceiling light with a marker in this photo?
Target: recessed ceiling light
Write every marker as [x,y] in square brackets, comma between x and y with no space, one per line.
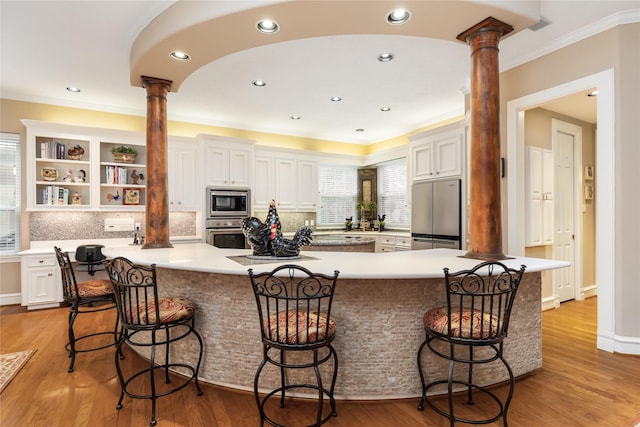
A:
[295,117]
[594,93]
[73,89]
[385,109]
[385,57]
[336,99]
[267,26]
[178,55]
[359,130]
[259,83]
[398,16]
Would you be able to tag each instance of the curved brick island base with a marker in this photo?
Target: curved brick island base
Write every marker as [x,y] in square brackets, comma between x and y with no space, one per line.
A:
[379,320]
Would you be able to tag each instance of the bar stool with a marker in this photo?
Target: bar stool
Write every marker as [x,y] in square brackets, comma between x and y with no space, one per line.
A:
[90,296]
[145,317]
[479,304]
[294,309]
[90,258]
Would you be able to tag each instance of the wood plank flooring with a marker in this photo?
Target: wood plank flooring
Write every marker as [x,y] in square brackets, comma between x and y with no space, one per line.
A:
[578,385]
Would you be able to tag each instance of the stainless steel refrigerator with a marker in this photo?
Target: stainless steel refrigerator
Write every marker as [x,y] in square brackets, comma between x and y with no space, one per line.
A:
[436,215]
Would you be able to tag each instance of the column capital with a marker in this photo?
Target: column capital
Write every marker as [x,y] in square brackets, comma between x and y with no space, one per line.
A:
[489,24]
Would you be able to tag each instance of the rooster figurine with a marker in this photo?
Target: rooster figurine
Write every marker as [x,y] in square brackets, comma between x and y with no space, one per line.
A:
[266,238]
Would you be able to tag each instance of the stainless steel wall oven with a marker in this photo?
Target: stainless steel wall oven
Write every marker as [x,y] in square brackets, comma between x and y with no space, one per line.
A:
[226,208]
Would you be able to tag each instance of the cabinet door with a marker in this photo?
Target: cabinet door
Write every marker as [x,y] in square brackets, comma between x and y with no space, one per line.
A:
[40,281]
[307,191]
[422,161]
[448,156]
[264,187]
[216,166]
[239,168]
[286,183]
[182,177]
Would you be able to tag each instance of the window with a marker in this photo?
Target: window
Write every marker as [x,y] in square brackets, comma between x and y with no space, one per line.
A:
[392,193]
[9,193]
[338,188]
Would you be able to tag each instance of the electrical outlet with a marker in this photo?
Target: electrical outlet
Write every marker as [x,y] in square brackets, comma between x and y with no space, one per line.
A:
[306,222]
[313,222]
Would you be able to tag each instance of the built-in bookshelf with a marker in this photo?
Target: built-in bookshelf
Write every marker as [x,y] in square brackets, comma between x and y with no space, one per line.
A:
[76,167]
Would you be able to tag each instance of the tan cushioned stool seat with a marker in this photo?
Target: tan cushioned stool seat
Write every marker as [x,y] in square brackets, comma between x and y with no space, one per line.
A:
[281,327]
[437,319]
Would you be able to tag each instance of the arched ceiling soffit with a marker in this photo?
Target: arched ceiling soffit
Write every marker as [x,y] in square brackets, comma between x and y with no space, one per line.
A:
[210,30]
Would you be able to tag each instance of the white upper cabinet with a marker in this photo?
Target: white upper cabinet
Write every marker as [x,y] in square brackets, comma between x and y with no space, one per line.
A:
[226,162]
[539,182]
[438,153]
[183,174]
[290,179]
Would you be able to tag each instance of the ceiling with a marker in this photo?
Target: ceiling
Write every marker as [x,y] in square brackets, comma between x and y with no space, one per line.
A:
[323,49]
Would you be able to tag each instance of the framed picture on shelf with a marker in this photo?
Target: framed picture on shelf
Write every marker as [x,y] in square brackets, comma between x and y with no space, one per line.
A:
[588,192]
[588,173]
[130,196]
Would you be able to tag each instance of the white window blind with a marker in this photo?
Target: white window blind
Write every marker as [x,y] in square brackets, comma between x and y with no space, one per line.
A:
[392,193]
[9,193]
[338,188]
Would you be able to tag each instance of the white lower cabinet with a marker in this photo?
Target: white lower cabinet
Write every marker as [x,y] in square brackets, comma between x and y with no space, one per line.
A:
[391,243]
[40,280]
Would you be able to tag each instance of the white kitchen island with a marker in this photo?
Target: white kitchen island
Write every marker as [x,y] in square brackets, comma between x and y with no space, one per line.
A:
[379,302]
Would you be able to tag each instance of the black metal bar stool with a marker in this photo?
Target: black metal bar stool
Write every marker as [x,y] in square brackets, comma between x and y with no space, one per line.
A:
[90,258]
[89,296]
[151,321]
[294,308]
[479,304]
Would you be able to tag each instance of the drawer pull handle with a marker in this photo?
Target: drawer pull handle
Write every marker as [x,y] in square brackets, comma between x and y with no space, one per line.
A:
[40,261]
[50,274]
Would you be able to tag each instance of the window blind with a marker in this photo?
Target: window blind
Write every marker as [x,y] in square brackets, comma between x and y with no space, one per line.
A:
[338,188]
[9,193]
[392,193]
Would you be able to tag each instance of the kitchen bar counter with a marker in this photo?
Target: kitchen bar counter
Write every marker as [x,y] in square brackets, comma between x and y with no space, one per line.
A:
[341,243]
[379,302]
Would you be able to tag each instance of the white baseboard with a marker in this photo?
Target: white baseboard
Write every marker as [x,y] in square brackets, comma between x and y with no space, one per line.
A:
[619,344]
[589,291]
[549,303]
[10,299]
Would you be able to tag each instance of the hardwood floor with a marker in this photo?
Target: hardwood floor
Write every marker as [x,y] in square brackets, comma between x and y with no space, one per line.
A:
[578,385]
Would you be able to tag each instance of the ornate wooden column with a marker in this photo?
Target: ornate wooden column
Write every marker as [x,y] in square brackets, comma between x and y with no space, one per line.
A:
[485,227]
[157,201]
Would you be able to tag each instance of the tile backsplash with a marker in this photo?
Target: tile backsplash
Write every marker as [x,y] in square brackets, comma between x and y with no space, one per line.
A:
[90,225]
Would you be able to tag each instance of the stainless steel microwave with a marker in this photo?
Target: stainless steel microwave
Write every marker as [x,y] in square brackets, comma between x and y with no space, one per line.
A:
[225,202]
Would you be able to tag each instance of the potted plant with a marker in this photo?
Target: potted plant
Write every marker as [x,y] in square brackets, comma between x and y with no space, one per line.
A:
[124,154]
[381,222]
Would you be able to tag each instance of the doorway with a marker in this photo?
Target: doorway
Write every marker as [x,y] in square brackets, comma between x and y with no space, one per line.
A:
[604,188]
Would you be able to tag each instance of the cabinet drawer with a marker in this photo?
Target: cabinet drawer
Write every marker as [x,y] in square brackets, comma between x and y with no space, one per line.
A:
[41,261]
[387,240]
[403,241]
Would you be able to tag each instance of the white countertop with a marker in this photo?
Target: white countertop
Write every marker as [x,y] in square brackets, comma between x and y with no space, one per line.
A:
[389,265]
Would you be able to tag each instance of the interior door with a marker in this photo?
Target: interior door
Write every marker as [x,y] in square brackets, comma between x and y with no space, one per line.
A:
[564,227]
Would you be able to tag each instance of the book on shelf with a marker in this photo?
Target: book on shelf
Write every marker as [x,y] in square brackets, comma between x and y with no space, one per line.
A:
[53,195]
[115,175]
[52,150]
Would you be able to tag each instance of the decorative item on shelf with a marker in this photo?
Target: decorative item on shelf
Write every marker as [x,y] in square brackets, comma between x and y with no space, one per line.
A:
[123,154]
[113,198]
[71,176]
[76,152]
[76,199]
[588,173]
[49,173]
[130,196]
[135,177]
[348,223]
[267,240]
[588,191]
[381,222]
